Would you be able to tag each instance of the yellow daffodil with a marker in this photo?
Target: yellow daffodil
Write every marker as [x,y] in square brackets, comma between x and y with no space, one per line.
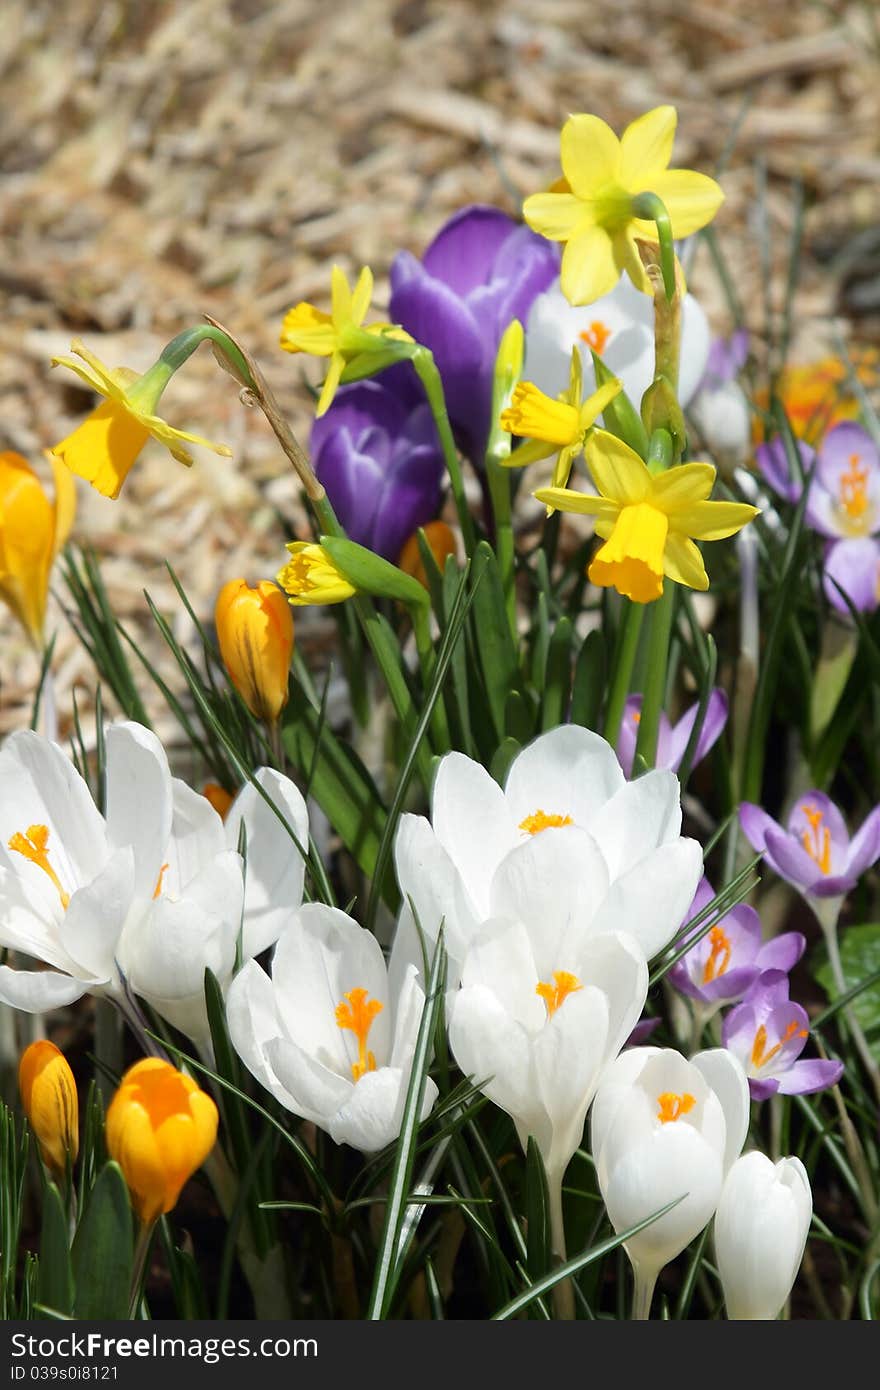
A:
[160,1129]
[255,633]
[649,522]
[592,211]
[48,1096]
[312,577]
[103,448]
[339,335]
[32,531]
[555,426]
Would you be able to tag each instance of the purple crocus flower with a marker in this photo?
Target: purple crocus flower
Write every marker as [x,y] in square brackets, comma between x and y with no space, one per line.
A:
[772,462]
[377,453]
[854,566]
[844,500]
[767,1032]
[480,271]
[814,852]
[727,960]
[727,357]
[672,739]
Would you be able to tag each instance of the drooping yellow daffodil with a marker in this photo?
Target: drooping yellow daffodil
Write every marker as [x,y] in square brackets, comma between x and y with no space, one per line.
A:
[649,522]
[32,531]
[555,425]
[103,448]
[339,335]
[255,634]
[312,577]
[48,1095]
[592,211]
[160,1129]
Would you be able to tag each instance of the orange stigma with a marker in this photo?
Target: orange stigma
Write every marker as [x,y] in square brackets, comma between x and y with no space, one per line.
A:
[760,1058]
[157,891]
[540,820]
[817,840]
[358,1015]
[854,491]
[596,336]
[718,958]
[34,846]
[672,1106]
[556,994]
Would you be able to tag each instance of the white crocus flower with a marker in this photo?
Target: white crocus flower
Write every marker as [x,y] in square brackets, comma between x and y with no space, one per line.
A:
[664,1128]
[201,904]
[760,1232]
[565,792]
[619,327]
[543,1008]
[332,1032]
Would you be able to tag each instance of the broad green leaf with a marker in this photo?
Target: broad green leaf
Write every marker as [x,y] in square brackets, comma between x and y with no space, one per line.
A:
[495,648]
[860,959]
[55,1275]
[103,1250]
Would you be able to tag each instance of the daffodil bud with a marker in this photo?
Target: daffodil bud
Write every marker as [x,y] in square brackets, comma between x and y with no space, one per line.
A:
[48,1095]
[760,1231]
[440,540]
[160,1129]
[255,632]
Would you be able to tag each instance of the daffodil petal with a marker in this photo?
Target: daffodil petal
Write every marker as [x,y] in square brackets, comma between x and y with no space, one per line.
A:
[363,293]
[307,329]
[627,255]
[589,266]
[646,146]
[617,470]
[681,487]
[590,154]
[166,434]
[683,563]
[594,405]
[712,521]
[340,298]
[331,383]
[531,452]
[563,466]
[585,503]
[691,199]
[556,216]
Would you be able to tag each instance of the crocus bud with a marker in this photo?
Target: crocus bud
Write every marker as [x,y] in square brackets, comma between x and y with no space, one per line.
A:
[219,798]
[760,1232]
[160,1129]
[48,1095]
[440,540]
[255,632]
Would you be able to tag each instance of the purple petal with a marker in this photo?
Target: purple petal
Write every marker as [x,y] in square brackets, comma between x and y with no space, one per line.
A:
[803,812]
[727,356]
[808,1075]
[643,1030]
[853,565]
[783,952]
[733,984]
[763,1090]
[358,408]
[464,251]
[755,824]
[353,482]
[768,993]
[842,444]
[680,733]
[865,845]
[785,855]
[772,461]
[629,732]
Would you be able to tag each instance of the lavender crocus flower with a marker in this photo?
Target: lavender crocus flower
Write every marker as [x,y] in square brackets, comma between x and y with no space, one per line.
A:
[814,852]
[853,567]
[672,739]
[728,959]
[481,271]
[377,453]
[772,462]
[844,500]
[767,1032]
[727,357]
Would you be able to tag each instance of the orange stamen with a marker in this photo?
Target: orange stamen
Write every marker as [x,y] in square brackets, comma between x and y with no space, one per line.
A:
[673,1106]
[596,336]
[555,995]
[358,1015]
[540,820]
[854,489]
[157,891]
[760,1058]
[817,840]
[34,846]
[719,956]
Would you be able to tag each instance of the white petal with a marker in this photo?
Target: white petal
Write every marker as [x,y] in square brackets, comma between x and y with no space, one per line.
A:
[760,1231]
[502,959]
[643,814]
[408,1007]
[569,771]
[429,879]
[40,786]
[96,915]
[724,1073]
[554,882]
[31,925]
[252,1018]
[38,991]
[568,1055]
[196,837]
[275,867]
[495,1051]
[472,821]
[618,1080]
[650,902]
[373,1113]
[317,1092]
[138,799]
[616,965]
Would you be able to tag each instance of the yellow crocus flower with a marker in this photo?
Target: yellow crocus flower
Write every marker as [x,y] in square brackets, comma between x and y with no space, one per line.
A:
[339,335]
[255,634]
[592,209]
[160,1129]
[555,426]
[312,577]
[33,529]
[103,448]
[649,522]
[49,1098]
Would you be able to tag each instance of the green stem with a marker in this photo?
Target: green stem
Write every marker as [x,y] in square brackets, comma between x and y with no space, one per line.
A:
[499,490]
[655,683]
[625,656]
[141,1253]
[427,661]
[425,366]
[827,911]
[652,209]
[184,345]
